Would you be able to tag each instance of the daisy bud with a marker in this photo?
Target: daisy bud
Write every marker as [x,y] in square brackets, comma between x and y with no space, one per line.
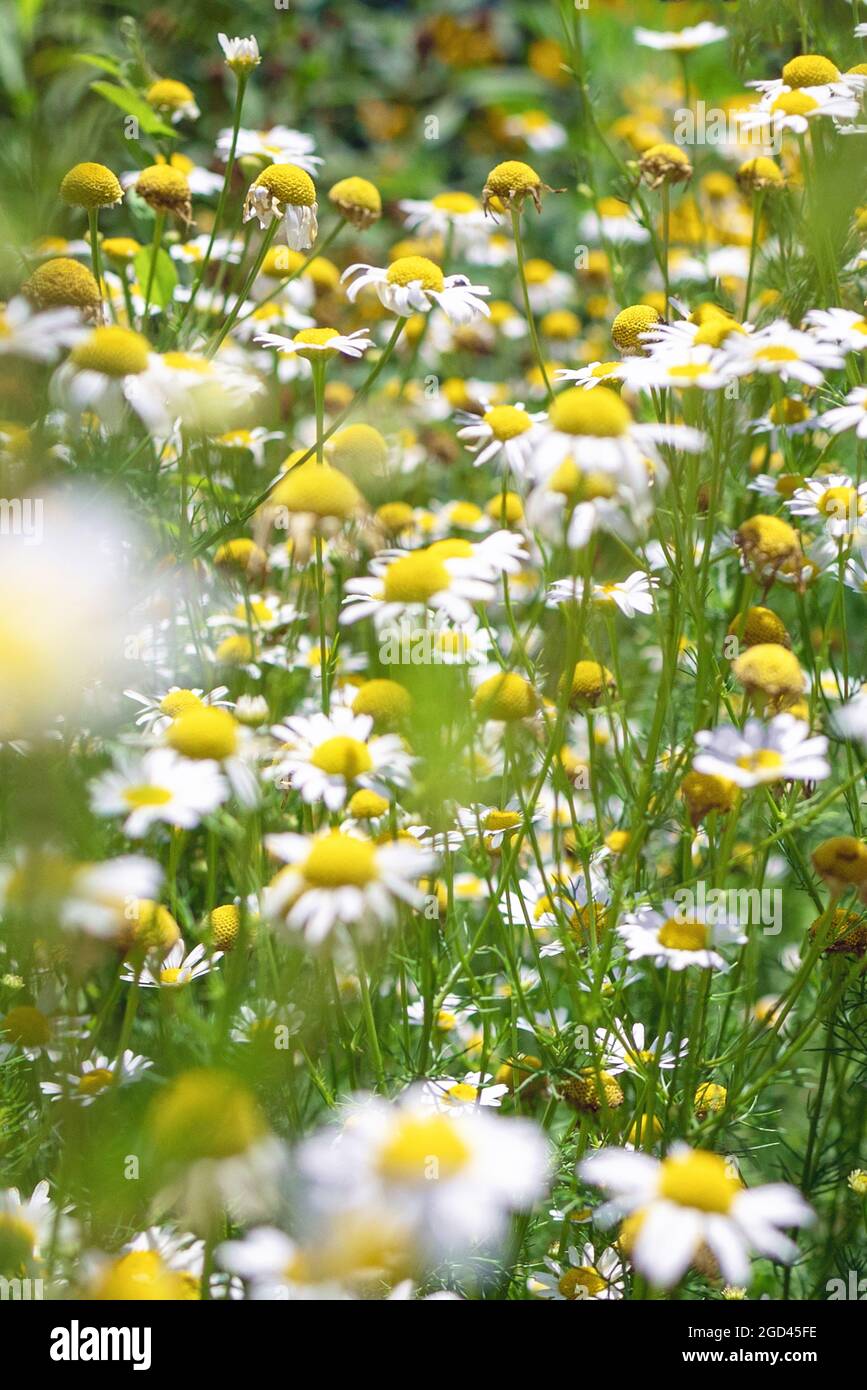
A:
[810,70]
[241,55]
[665,164]
[509,184]
[704,792]
[241,556]
[857,1181]
[356,199]
[771,670]
[205,1113]
[709,1099]
[204,733]
[589,1093]
[90,186]
[841,862]
[166,190]
[173,99]
[757,626]
[768,544]
[756,175]
[630,323]
[317,490]
[149,927]
[385,701]
[61,282]
[591,681]
[845,936]
[225,923]
[505,696]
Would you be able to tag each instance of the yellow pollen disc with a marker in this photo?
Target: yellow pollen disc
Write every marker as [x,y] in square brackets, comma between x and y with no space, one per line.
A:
[582,1282]
[599,413]
[91,1082]
[203,733]
[683,936]
[164,187]
[90,186]
[423,1147]
[501,820]
[462,1093]
[690,370]
[777,353]
[810,70]
[762,760]
[407,270]
[317,337]
[700,1180]
[337,861]
[318,489]
[455,548]
[177,701]
[170,976]
[415,578]
[62,281]
[795,104]
[169,93]
[186,362]
[455,202]
[507,421]
[288,184]
[839,501]
[112,351]
[358,446]
[512,177]
[342,757]
[465,514]
[146,796]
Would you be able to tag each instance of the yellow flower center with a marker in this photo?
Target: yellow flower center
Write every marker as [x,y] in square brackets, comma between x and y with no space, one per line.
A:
[176,701]
[172,975]
[420,1148]
[113,351]
[600,413]
[318,489]
[146,796]
[795,104]
[777,353]
[169,94]
[415,578]
[90,186]
[762,760]
[288,184]
[683,936]
[337,861]
[502,820]
[462,1093]
[90,1083]
[507,421]
[342,757]
[700,1180]
[810,70]
[581,1282]
[455,202]
[203,733]
[62,281]
[840,501]
[408,270]
[26,1025]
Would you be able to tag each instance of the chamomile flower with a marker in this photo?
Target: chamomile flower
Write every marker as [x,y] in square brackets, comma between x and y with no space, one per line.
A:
[794,110]
[158,711]
[629,1049]
[689,1199]
[325,757]
[782,750]
[448,1094]
[457,214]
[161,786]
[613,221]
[536,129]
[416,580]
[321,343]
[851,416]
[179,968]
[782,351]
[241,55]
[334,878]
[287,193]
[96,1076]
[503,434]
[845,327]
[685,40]
[414,284]
[631,595]
[38,336]
[28,1226]
[278,143]
[834,500]
[677,939]
[584,1275]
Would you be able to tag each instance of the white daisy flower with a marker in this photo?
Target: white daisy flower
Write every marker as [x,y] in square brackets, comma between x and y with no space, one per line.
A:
[485,1166]
[846,327]
[161,786]
[782,750]
[834,499]
[780,350]
[333,878]
[448,1093]
[706,368]
[158,711]
[95,1076]
[677,939]
[241,54]
[685,40]
[851,416]
[630,1050]
[98,896]
[31,1223]
[494,823]
[458,215]
[850,720]
[536,129]
[39,335]
[631,595]
[505,434]
[416,580]
[279,144]
[595,374]
[794,110]
[689,1199]
[613,221]
[176,970]
[319,342]
[414,284]
[585,1275]
[326,757]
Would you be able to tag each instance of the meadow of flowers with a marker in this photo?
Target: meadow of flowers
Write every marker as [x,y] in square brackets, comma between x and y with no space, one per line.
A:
[433,557]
